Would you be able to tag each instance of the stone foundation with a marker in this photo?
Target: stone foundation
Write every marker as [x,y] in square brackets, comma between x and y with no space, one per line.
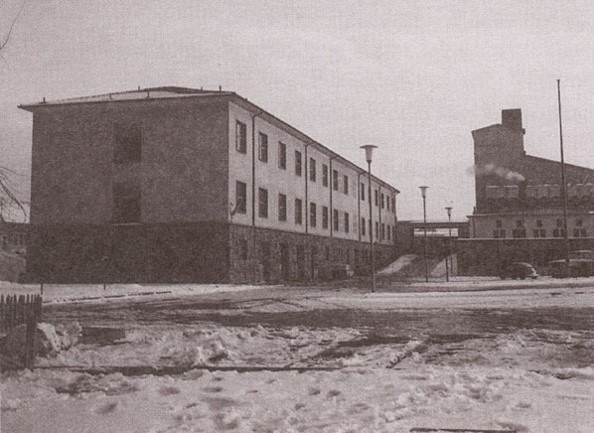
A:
[263,255]
[205,252]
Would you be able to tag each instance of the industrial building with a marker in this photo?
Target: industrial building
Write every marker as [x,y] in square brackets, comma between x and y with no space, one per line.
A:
[173,184]
[519,203]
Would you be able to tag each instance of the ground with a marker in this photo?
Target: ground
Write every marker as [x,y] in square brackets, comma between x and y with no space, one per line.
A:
[500,356]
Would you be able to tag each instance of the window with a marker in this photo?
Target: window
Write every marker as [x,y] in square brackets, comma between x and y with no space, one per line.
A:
[127,142]
[383,231]
[126,203]
[394,204]
[362,226]
[519,223]
[538,223]
[298,211]
[262,203]
[335,220]
[539,233]
[362,191]
[519,233]
[511,191]
[376,197]
[313,215]
[298,166]
[335,180]
[282,155]
[578,222]
[282,207]
[499,233]
[345,180]
[240,197]
[583,233]
[559,223]
[383,205]
[498,224]
[389,232]
[376,230]
[324,217]
[240,137]
[312,169]
[346,222]
[324,175]
[262,147]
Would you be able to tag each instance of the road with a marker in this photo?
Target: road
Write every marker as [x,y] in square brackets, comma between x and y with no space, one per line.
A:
[318,359]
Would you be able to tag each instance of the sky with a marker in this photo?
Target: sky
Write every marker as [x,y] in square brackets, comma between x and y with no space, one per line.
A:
[412,77]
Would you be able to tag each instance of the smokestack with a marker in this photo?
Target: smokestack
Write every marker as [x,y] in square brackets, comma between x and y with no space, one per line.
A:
[512,119]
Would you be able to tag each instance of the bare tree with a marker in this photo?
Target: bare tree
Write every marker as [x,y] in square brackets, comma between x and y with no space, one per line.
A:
[8,196]
[6,34]
[7,187]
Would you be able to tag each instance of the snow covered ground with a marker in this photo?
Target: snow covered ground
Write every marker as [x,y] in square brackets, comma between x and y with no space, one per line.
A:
[521,374]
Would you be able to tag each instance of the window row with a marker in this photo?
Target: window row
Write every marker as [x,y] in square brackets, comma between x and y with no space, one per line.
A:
[383,231]
[539,233]
[539,191]
[348,255]
[338,182]
[520,223]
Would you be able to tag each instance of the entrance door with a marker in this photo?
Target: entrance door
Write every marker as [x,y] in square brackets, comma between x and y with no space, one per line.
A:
[284,261]
[266,261]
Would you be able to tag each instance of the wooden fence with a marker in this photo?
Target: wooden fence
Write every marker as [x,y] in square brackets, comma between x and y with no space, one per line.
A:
[18,310]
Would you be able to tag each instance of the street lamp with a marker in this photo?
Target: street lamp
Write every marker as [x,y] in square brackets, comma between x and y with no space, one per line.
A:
[424,194]
[449,256]
[368,154]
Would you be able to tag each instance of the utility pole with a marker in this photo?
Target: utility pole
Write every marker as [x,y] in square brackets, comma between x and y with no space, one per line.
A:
[424,194]
[563,184]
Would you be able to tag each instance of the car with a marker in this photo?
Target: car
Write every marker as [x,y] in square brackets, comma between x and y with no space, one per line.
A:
[519,270]
[581,264]
[337,271]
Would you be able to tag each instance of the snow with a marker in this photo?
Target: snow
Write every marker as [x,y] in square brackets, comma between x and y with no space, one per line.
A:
[58,293]
[527,380]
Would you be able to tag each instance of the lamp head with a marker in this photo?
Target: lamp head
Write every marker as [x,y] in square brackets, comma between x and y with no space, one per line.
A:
[449,209]
[368,151]
[424,191]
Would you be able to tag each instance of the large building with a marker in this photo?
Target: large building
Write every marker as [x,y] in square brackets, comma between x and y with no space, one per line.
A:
[173,184]
[519,206]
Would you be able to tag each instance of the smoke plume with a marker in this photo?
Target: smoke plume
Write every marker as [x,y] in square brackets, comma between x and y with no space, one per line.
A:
[492,169]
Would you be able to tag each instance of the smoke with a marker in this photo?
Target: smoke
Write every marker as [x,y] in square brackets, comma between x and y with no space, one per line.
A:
[492,169]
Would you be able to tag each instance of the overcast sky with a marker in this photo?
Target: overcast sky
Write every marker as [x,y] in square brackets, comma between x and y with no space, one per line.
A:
[412,77]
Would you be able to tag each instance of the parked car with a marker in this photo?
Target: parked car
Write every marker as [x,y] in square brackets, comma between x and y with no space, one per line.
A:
[519,270]
[581,264]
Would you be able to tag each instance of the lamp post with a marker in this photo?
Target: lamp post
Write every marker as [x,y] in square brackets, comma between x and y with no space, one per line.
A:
[449,209]
[424,194]
[368,156]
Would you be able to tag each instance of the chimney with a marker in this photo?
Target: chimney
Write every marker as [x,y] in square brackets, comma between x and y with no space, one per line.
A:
[512,119]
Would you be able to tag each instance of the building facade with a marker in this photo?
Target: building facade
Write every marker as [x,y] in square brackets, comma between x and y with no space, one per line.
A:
[442,237]
[519,203]
[13,237]
[182,185]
